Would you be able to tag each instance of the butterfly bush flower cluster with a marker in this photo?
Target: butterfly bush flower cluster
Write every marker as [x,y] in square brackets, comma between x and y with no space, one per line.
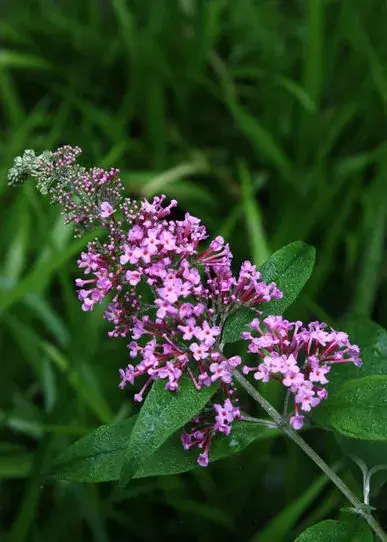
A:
[170,289]
[298,356]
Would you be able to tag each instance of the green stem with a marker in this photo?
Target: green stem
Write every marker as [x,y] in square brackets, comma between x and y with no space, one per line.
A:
[359,507]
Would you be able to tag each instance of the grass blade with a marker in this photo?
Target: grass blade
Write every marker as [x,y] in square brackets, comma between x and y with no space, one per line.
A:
[253,218]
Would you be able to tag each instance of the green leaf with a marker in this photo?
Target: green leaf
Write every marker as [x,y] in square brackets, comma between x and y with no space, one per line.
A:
[171,458]
[162,414]
[290,267]
[358,410]
[236,323]
[337,531]
[372,340]
[98,457]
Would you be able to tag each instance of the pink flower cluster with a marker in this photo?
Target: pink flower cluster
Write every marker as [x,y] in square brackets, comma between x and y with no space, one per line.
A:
[300,357]
[203,428]
[187,292]
[171,291]
[191,293]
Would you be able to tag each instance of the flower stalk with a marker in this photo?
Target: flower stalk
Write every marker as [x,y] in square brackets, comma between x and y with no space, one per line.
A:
[359,508]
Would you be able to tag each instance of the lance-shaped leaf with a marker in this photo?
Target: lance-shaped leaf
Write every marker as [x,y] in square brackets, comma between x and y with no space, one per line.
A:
[171,458]
[98,457]
[372,340]
[337,531]
[163,413]
[358,410]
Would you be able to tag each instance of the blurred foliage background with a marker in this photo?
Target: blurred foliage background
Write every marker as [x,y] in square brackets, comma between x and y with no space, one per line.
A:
[266,118]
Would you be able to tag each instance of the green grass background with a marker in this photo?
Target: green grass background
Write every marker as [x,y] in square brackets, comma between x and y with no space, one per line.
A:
[266,118]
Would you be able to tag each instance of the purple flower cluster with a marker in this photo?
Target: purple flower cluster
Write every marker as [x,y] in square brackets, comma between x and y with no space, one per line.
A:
[204,427]
[171,290]
[191,292]
[299,357]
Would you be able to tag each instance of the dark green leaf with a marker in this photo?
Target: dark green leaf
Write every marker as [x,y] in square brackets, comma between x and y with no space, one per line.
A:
[372,340]
[98,456]
[290,267]
[358,409]
[171,458]
[236,323]
[162,414]
[337,531]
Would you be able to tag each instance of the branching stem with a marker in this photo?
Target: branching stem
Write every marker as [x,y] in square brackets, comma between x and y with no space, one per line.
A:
[360,508]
